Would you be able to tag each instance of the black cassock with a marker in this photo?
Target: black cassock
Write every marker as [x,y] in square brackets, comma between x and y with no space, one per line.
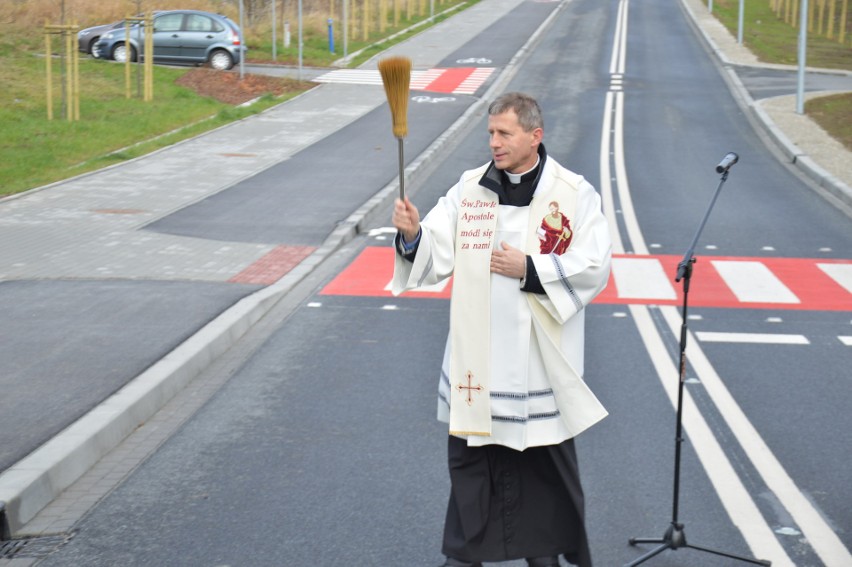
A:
[507,504]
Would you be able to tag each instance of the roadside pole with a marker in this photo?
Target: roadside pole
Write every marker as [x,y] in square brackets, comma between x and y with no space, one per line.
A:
[242,44]
[803,48]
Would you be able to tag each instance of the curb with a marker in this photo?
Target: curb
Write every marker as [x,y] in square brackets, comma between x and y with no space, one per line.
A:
[36,480]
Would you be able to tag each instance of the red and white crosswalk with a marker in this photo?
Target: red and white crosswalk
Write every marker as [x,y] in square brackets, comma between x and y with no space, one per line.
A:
[455,80]
[753,283]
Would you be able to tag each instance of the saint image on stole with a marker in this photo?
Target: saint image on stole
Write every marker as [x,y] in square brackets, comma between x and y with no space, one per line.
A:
[555,231]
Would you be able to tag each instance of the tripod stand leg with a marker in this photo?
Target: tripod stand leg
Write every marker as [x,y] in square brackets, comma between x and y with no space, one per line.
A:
[635,540]
[650,554]
[672,539]
[675,538]
[729,555]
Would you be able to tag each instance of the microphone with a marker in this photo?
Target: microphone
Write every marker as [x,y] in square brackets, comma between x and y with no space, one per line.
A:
[727,162]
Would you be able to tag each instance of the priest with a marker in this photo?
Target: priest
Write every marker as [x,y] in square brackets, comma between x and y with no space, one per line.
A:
[511,387]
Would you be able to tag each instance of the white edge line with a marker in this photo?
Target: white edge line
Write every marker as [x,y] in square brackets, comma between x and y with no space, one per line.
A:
[606,176]
[628,213]
[816,529]
[736,500]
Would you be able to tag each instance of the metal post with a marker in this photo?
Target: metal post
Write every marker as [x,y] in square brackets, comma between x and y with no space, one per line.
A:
[274,25]
[300,40]
[803,47]
[242,44]
[330,35]
[345,28]
[49,69]
[141,55]
[740,23]
[127,58]
[76,60]
[149,61]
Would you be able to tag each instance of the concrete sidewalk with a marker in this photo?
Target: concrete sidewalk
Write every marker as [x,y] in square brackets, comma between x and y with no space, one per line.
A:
[89,229]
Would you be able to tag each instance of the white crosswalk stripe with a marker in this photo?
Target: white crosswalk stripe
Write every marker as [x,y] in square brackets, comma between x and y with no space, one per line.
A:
[421,79]
[474,81]
[436,288]
[352,76]
[641,278]
[753,282]
[841,273]
[457,80]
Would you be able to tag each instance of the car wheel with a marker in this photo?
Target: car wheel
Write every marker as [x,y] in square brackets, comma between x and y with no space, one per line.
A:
[119,53]
[221,60]
[93,48]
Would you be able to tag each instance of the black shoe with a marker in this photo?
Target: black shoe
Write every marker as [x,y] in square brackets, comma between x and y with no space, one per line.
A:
[543,561]
[450,562]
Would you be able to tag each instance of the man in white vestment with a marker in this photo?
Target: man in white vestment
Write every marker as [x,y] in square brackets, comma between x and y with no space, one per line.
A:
[511,386]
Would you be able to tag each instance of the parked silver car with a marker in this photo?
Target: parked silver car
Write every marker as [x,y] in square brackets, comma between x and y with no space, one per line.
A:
[180,36]
[88,38]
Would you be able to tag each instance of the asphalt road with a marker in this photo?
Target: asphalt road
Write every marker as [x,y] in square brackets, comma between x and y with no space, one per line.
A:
[322,449]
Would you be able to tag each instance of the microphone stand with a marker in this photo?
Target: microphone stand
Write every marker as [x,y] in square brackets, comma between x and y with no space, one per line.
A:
[675,538]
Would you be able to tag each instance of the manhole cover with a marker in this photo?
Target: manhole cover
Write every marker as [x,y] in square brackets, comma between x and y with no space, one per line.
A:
[33,546]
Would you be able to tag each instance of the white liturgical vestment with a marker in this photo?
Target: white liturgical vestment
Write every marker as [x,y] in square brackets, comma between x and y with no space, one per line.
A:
[525,360]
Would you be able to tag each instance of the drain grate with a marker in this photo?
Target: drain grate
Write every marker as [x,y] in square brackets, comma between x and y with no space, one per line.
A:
[33,547]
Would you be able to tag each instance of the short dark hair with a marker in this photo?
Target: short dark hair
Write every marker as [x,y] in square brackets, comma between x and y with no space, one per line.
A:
[525,106]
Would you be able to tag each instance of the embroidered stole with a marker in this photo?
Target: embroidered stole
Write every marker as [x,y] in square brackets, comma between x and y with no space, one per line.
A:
[470,314]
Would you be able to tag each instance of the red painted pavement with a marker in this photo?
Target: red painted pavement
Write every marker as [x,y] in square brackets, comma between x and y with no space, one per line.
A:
[372,270]
[273,265]
[449,80]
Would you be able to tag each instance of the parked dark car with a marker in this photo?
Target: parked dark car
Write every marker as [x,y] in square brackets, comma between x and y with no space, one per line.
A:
[87,39]
[180,36]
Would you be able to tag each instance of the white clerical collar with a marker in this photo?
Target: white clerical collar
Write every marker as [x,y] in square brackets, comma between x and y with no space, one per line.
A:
[516,177]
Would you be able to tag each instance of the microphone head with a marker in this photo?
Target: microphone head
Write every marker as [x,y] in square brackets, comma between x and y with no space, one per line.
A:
[730,159]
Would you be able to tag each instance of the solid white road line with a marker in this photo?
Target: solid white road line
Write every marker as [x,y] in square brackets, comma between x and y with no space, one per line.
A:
[736,500]
[607,202]
[819,534]
[756,338]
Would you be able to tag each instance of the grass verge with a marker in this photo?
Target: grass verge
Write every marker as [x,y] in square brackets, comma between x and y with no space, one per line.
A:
[39,151]
[834,114]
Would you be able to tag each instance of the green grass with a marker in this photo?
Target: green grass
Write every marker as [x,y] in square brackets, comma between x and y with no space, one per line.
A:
[834,115]
[37,151]
[774,41]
